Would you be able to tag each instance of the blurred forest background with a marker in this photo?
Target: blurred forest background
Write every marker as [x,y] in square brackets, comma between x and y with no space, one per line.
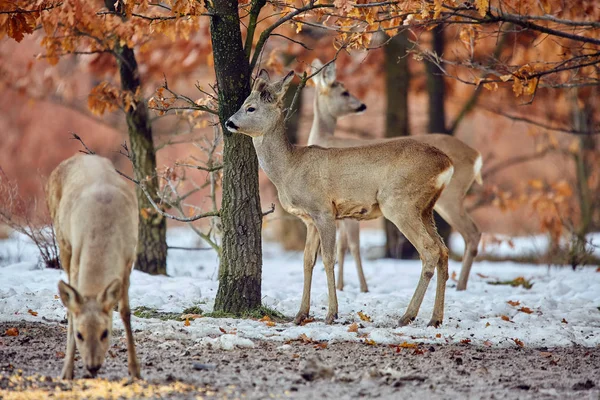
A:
[538,141]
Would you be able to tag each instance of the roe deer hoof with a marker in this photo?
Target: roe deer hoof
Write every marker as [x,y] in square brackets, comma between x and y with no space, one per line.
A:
[66,374]
[330,318]
[300,317]
[134,373]
[436,323]
[406,320]
[460,287]
[340,287]
[364,289]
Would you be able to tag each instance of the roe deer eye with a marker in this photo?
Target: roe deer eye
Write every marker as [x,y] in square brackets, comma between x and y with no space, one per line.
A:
[79,336]
[104,335]
[250,109]
[345,94]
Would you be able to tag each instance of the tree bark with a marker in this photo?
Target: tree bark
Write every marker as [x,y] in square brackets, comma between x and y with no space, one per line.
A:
[241,216]
[152,242]
[396,124]
[437,111]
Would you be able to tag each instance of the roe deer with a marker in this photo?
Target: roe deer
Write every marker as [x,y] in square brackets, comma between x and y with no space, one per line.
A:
[401,180]
[332,101]
[96,221]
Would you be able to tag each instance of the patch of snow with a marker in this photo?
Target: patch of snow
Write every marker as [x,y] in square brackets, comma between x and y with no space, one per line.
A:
[564,302]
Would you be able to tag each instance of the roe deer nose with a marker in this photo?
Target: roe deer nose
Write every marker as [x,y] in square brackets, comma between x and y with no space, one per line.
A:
[231,125]
[362,108]
[93,369]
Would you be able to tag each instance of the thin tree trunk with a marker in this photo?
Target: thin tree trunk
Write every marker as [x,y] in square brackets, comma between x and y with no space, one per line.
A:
[396,124]
[291,230]
[152,242]
[241,216]
[437,111]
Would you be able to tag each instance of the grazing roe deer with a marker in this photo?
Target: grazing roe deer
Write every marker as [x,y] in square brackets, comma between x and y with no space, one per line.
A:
[96,221]
[401,180]
[332,101]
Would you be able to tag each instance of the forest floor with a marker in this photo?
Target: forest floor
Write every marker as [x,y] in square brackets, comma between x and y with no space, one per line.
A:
[31,362]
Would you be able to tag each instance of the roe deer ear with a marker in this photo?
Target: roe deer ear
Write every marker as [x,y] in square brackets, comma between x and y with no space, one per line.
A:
[70,297]
[110,296]
[315,66]
[329,74]
[261,81]
[264,74]
[279,88]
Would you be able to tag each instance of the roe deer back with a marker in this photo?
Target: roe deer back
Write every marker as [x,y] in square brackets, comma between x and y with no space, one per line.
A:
[401,180]
[96,221]
[333,101]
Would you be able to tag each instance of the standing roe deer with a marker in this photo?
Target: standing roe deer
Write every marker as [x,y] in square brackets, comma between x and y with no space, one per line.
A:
[96,221]
[332,101]
[401,180]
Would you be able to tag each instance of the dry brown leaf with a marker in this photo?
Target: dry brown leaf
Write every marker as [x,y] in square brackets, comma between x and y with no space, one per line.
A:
[56,297]
[487,324]
[487,343]
[482,275]
[526,310]
[353,327]
[453,276]
[406,345]
[364,317]
[34,313]
[295,355]
[505,318]
[465,341]
[307,321]
[266,318]
[305,339]
[418,352]
[545,354]
[187,322]
[438,335]
[564,321]
[222,330]
[519,342]
[270,323]
[322,345]
[12,332]
[514,303]
[370,342]
[60,354]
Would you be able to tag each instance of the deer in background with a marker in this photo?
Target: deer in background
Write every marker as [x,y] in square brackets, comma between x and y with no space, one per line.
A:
[332,101]
[400,180]
[95,216]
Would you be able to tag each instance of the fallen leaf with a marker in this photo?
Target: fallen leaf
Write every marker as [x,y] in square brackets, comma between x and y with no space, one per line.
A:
[487,324]
[222,330]
[438,335]
[418,352]
[353,327]
[505,318]
[322,345]
[406,345]
[514,303]
[295,355]
[305,339]
[545,354]
[598,269]
[526,310]
[187,322]
[487,343]
[564,321]
[453,276]
[111,354]
[362,335]
[190,316]
[370,342]
[266,318]
[12,332]
[364,317]
[482,275]
[270,323]
[519,343]
[554,361]
[34,313]
[56,297]
[465,341]
[60,354]
[307,321]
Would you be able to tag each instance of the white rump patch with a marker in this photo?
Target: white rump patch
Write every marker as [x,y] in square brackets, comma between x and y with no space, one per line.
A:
[444,178]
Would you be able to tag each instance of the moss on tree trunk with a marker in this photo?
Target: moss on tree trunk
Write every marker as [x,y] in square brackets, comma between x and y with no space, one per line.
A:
[241,216]
[152,242]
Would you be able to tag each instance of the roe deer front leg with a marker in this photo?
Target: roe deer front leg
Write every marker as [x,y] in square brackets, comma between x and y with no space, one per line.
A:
[311,249]
[125,311]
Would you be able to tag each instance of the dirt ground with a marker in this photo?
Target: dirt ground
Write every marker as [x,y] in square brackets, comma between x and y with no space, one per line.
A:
[31,361]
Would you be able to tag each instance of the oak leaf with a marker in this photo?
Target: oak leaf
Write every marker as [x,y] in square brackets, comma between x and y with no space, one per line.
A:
[514,303]
[12,332]
[364,317]
[519,342]
[353,327]
[34,313]
[526,310]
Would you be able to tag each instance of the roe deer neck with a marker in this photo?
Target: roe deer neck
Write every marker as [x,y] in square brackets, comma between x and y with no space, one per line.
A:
[274,152]
[323,122]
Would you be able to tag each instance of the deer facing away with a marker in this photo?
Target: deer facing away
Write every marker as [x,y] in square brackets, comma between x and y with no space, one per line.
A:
[96,221]
[332,101]
[401,180]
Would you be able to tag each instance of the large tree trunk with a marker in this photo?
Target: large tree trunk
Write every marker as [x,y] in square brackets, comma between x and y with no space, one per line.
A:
[437,111]
[241,215]
[396,124]
[291,230]
[152,242]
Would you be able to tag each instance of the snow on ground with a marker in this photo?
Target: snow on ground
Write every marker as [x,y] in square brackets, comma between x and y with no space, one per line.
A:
[564,302]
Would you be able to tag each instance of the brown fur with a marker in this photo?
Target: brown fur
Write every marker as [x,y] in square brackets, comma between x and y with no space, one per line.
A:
[399,180]
[332,101]
[96,221]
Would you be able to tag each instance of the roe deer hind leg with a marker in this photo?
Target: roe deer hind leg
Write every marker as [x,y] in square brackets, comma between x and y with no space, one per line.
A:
[311,249]
[442,271]
[342,247]
[453,211]
[326,227]
[409,222]
[125,311]
[353,234]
